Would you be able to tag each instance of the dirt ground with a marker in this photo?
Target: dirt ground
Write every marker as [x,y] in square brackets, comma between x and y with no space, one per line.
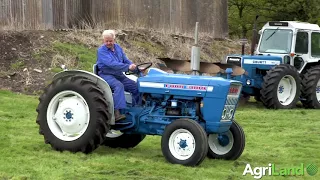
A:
[21,71]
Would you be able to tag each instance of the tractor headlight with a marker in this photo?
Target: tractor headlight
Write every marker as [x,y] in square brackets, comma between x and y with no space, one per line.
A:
[230,114]
[224,114]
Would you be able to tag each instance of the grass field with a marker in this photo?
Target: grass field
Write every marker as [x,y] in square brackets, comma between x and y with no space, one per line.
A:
[286,138]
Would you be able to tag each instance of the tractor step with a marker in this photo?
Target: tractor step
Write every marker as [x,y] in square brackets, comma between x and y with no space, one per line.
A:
[123,125]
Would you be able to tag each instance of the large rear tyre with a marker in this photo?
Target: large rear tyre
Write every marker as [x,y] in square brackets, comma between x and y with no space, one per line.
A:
[281,87]
[310,93]
[72,115]
[184,142]
[229,145]
[115,139]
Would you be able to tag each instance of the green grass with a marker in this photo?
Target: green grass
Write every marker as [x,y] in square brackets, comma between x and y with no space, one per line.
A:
[151,48]
[86,56]
[283,137]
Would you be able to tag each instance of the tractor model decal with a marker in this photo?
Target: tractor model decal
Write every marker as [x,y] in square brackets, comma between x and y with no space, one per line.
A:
[264,62]
[188,87]
[177,86]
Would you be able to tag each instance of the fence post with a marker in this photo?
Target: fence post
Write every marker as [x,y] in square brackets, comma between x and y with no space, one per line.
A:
[65,14]
[47,14]
[23,13]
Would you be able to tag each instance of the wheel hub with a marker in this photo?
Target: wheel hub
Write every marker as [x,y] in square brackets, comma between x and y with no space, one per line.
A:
[223,140]
[182,144]
[68,115]
[318,91]
[221,144]
[281,89]
[287,90]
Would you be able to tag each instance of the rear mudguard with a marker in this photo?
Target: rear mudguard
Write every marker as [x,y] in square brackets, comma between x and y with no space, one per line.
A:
[99,81]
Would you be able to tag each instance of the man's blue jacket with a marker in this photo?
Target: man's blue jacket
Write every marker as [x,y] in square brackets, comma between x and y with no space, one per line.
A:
[112,63]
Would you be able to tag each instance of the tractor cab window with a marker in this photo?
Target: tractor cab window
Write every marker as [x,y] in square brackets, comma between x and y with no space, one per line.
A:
[315,44]
[276,41]
[302,43]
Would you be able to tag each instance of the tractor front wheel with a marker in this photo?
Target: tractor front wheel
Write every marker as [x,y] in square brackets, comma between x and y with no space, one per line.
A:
[72,115]
[228,145]
[184,141]
[311,88]
[281,87]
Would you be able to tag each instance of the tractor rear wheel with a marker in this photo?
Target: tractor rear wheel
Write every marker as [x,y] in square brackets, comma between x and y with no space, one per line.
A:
[184,141]
[229,145]
[72,115]
[310,93]
[281,87]
[116,139]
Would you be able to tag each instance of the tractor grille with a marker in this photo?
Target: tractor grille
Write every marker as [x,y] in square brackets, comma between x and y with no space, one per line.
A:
[232,100]
[234,93]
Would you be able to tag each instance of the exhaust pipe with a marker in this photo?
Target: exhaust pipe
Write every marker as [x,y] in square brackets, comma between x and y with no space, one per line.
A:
[195,54]
[254,35]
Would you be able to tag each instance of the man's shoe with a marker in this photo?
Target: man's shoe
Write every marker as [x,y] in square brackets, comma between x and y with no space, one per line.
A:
[118,116]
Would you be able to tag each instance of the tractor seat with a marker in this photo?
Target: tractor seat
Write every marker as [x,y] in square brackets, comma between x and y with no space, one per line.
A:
[128,95]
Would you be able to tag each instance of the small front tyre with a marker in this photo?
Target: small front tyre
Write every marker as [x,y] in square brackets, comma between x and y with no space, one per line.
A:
[229,145]
[184,142]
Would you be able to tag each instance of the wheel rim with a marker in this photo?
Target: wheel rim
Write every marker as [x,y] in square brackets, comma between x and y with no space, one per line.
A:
[318,91]
[68,115]
[113,134]
[182,144]
[221,143]
[287,90]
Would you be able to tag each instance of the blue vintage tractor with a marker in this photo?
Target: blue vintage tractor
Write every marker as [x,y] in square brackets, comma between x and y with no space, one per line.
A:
[193,114]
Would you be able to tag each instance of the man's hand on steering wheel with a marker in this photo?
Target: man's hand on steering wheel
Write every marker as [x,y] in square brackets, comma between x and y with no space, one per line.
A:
[132,67]
[137,69]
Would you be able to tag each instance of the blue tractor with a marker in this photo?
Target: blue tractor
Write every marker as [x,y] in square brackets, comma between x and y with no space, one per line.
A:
[283,69]
[193,114]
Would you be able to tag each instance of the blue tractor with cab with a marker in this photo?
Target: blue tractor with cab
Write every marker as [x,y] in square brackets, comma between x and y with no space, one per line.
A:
[283,68]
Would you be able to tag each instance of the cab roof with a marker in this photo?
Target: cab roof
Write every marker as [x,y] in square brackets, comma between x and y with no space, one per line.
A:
[292,24]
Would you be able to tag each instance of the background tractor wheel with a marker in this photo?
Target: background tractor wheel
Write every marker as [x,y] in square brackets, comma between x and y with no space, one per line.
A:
[311,88]
[116,139]
[184,141]
[229,145]
[72,115]
[281,87]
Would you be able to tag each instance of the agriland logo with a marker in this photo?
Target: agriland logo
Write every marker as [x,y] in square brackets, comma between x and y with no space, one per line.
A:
[273,170]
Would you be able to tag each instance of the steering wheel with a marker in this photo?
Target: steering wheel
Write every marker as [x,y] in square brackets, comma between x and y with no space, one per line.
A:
[145,68]
[139,70]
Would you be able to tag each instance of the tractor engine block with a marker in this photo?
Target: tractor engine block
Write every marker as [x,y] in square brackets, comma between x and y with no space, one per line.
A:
[172,105]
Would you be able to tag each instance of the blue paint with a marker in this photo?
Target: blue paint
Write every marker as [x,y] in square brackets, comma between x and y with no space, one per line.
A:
[169,97]
[223,140]
[255,67]
[69,115]
[183,143]
[281,89]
